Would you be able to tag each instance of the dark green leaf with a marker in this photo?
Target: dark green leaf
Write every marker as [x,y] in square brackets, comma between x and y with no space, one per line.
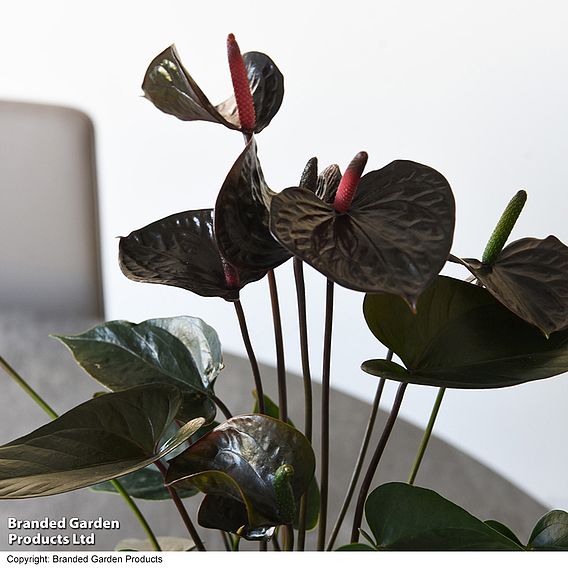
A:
[183,351]
[225,513]
[181,251]
[270,407]
[239,459]
[104,438]
[404,517]
[550,533]
[241,217]
[529,277]
[504,530]
[200,339]
[167,544]
[395,237]
[147,483]
[359,547]
[171,88]
[461,337]
[313,494]
[386,369]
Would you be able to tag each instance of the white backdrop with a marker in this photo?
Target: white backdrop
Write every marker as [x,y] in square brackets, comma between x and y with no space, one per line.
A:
[477,90]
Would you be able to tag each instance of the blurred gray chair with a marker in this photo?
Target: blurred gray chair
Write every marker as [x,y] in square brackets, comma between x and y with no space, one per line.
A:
[49,258]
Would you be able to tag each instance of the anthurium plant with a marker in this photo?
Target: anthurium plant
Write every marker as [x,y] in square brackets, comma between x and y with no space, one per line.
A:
[160,431]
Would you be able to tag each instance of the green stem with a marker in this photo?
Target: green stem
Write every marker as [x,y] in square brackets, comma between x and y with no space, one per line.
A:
[237,540]
[426,437]
[137,513]
[226,542]
[29,391]
[11,372]
[288,538]
[276,543]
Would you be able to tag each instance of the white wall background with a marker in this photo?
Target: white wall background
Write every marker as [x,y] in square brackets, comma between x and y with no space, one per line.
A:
[478,90]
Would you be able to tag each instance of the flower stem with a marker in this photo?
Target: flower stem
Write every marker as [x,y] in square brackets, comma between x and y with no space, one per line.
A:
[250,352]
[426,436]
[226,542]
[137,513]
[288,538]
[304,348]
[307,377]
[324,461]
[11,372]
[360,459]
[367,480]
[222,407]
[279,341]
[29,390]
[181,509]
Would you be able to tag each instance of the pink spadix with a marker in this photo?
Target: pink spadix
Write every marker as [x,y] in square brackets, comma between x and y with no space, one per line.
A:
[241,87]
[349,182]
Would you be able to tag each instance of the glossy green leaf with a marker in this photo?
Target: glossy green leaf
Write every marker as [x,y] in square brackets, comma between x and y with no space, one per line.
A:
[200,339]
[504,530]
[241,216]
[147,483]
[405,517]
[359,547]
[101,439]
[167,544]
[551,532]
[384,368]
[239,459]
[169,86]
[183,351]
[461,337]
[313,494]
[529,277]
[395,237]
[181,251]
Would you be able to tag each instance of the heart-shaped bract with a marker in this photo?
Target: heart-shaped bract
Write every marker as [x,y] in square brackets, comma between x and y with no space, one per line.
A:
[172,89]
[395,236]
[241,216]
[181,251]
[529,278]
